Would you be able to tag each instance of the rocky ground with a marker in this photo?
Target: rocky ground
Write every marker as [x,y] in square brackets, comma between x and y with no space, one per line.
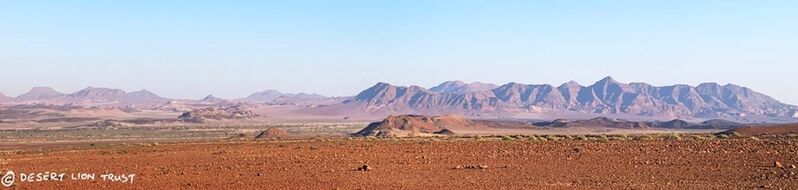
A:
[426,163]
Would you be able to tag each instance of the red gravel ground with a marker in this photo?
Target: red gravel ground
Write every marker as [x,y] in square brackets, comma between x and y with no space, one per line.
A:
[764,130]
[425,164]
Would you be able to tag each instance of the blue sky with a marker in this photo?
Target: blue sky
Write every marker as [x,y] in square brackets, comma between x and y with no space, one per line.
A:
[188,49]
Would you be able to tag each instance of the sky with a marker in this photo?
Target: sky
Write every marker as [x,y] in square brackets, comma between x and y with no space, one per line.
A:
[189,49]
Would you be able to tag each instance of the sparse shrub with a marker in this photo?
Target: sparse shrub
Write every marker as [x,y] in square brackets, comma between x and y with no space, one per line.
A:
[673,136]
[722,136]
[644,138]
[552,137]
[698,137]
[736,134]
[618,137]
[792,135]
[542,138]
[568,137]
[603,138]
[755,138]
[507,138]
[582,138]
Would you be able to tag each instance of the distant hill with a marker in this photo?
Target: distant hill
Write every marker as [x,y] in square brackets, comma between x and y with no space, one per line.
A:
[277,97]
[460,87]
[91,95]
[211,98]
[145,96]
[99,94]
[263,96]
[41,93]
[4,98]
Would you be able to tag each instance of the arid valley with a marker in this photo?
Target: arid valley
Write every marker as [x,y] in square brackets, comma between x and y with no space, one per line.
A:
[289,141]
[379,94]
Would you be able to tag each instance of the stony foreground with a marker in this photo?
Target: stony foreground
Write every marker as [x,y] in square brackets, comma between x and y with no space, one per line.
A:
[425,164]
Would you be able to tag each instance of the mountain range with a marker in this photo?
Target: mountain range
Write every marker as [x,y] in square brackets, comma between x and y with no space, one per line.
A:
[90,95]
[110,96]
[267,96]
[606,96]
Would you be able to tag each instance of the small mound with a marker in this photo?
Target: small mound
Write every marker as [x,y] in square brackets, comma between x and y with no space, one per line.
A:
[272,133]
[445,132]
[765,130]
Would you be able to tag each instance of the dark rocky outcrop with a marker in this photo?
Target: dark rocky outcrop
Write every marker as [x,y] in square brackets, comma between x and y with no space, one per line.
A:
[202,115]
[411,125]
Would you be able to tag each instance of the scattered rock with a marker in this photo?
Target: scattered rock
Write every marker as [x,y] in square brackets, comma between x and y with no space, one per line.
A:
[272,133]
[792,166]
[445,132]
[778,164]
[365,168]
[479,167]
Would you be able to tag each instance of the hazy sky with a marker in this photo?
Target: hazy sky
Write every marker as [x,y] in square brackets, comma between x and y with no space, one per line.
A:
[188,49]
